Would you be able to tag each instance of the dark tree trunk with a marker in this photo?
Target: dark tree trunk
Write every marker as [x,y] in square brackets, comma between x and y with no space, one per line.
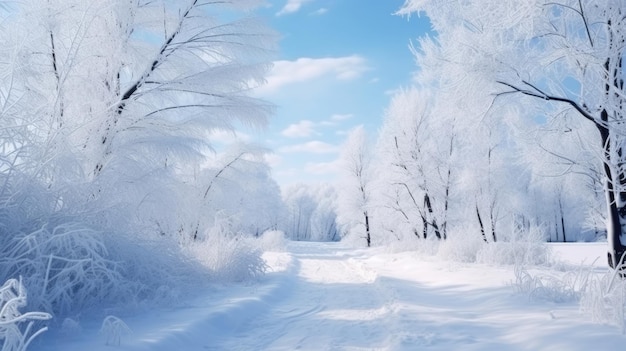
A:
[429,208]
[562,220]
[616,210]
[492,219]
[367,230]
[482,227]
[614,222]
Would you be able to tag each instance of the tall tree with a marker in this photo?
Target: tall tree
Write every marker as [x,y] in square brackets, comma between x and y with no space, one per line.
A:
[414,149]
[105,105]
[354,202]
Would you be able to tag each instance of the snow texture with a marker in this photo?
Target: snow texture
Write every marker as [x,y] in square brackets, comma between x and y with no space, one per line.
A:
[327,296]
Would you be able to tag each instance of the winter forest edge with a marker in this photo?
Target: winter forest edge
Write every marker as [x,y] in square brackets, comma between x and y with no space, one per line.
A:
[112,196]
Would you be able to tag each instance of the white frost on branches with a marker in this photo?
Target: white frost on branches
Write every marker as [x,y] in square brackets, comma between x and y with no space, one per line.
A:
[12,334]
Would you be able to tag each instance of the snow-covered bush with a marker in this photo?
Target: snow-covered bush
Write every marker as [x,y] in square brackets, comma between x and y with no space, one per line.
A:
[65,266]
[14,337]
[96,165]
[272,240]
[604,299]
[68,266]
[551,285]
[601,296]
[71,326]
[525,247]
[230,256]
[114,330]
[461,246]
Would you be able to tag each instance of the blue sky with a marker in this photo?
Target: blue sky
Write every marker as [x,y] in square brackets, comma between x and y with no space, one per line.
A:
[338,62]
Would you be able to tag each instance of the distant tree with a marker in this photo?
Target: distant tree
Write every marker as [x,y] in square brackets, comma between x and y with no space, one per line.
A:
[239,185]
[311,213]
[300,207]
[355,198]
[324,218]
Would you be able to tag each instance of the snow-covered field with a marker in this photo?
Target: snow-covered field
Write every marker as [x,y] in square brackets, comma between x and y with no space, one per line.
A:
[326,296]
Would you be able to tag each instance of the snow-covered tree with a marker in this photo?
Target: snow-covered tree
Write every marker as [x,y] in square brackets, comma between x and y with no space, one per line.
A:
[311,213]
[105,106]
[239,186]
[565,54]
[416,180]
[355,193]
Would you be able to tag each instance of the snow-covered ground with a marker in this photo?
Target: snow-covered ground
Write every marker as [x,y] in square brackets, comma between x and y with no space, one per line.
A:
[326,296]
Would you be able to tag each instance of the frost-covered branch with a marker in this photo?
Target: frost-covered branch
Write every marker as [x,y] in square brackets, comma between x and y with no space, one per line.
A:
[538,93]
[12,335]
[161,56]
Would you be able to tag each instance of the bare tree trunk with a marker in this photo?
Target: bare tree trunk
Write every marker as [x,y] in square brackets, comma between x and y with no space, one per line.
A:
[367,229]
[615,195]
[492,219]
[614,220]
[433,223]
[110,126]
[482,227]
[562,219]
[57,75]
[444,225]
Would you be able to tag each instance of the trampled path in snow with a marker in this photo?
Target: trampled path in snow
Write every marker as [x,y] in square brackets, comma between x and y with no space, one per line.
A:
[344,299]
[326,296]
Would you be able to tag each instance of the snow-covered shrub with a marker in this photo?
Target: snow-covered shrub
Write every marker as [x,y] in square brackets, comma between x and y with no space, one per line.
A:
[604,299]
[13,336]
[461,246]
[68,266]
[272,240]
[63,261]
[114,330]
[65,266]
[231,256]
[154,271]
[96,166]
[551,285]
[524,248]
[71,326]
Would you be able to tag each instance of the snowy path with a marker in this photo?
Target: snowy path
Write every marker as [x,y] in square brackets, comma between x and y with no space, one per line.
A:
[344,299]
[324,296]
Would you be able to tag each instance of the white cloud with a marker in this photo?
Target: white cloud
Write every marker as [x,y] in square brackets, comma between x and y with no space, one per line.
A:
[320,11]
[273,160]
[302,129]
[322,167]
[341,117]
[306,69]
[292,6]
[313,147]
[335,119]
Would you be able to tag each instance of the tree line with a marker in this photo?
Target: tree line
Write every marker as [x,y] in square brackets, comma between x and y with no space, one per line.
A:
[514,120]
